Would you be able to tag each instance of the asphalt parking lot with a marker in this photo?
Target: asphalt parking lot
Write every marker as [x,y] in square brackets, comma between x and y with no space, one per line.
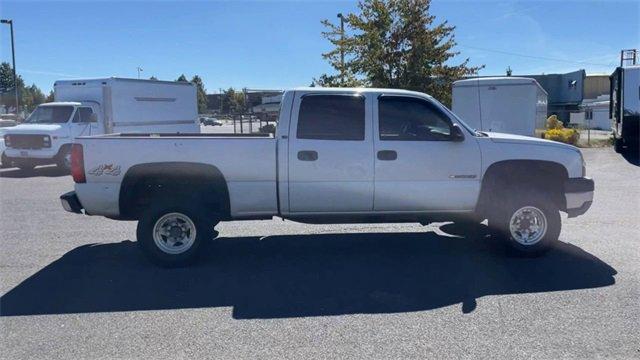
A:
[76,287]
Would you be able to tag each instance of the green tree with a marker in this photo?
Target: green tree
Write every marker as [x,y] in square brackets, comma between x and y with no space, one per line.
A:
[28,96]
[6,77]
[202,94]
[153,78]
[50,97]
[31,96]
[182,78]
[233,102]
[395,44]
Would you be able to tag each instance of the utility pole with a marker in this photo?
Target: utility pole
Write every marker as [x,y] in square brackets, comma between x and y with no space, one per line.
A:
[341,17]
[220,99]
[13,58]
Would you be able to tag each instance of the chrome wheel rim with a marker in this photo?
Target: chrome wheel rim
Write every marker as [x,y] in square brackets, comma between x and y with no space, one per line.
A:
[174,233]
[528,225]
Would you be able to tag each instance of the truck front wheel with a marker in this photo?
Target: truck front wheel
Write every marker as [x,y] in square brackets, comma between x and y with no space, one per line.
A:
[618,146]
[171,236]
[25,165]
[64,159]
[529,225]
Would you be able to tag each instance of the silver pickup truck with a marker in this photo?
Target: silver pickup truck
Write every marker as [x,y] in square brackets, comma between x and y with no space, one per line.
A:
[338,155]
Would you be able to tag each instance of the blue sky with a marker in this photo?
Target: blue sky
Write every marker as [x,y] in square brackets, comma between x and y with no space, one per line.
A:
[277,44]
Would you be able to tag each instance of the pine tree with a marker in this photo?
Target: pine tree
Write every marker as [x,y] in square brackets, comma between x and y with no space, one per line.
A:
[396,44]
[202,94]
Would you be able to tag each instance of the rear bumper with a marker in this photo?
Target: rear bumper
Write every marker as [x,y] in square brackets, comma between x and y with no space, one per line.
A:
[71,203]
[578,194]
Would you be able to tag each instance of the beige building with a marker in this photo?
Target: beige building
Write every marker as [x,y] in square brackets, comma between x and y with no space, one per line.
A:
[595,85]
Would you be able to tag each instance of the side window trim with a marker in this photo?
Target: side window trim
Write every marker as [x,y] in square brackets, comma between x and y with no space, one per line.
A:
[429,103]
[75,119]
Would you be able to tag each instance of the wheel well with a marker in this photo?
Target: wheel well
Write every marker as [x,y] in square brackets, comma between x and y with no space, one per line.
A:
[62,149]
[542,177]
[171,182]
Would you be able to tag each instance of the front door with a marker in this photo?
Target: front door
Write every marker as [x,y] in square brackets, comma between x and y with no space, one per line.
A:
[331,154]
[418,166]
[84,122]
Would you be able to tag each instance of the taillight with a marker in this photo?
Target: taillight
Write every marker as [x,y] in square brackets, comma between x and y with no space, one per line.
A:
[77,164]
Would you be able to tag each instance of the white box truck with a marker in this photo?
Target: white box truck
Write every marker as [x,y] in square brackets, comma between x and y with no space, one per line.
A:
[513,105]
[100,106]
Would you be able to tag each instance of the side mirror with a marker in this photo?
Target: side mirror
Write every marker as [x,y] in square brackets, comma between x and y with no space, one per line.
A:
[93,117]
[456,133]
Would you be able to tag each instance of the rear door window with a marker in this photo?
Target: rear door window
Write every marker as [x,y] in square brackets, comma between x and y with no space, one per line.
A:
[331,117]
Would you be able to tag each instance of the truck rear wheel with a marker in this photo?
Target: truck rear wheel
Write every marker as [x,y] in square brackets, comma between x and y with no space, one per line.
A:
[171,236]
[529,225]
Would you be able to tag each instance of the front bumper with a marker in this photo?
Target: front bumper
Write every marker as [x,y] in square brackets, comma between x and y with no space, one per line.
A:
[40,154]
[71,203]
[578,194]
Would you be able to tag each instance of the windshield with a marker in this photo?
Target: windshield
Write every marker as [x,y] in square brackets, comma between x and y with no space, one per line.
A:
[50,115]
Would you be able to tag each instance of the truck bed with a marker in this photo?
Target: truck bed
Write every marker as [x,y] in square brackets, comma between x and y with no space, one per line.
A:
[248,162]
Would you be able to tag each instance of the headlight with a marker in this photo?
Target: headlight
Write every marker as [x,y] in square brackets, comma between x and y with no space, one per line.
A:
[7,141]
[46,141]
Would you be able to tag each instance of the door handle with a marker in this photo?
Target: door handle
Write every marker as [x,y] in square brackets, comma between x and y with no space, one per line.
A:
[307,155]
[387,155]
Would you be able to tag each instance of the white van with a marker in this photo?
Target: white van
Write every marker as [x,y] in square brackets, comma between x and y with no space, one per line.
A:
[513,105]
[100,106]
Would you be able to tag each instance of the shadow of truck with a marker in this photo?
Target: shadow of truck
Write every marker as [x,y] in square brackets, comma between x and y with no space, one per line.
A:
[302,275]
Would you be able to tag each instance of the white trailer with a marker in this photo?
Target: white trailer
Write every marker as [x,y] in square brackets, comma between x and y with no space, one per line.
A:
[100,106]
[625,108]
[513,105]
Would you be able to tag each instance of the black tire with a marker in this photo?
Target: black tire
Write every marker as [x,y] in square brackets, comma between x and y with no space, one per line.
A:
[618,146]
[499,223]
[25,166]
[4,161]
[204,228]
[63,160]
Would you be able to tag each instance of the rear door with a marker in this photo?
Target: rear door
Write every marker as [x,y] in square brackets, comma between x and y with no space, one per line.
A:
[418,166]
[331,153]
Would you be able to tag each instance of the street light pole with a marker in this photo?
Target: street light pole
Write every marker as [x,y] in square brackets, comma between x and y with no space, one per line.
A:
[139,70]
[13,58]
[341,47]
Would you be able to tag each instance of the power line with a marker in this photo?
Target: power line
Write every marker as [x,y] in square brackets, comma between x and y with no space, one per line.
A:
[535,57]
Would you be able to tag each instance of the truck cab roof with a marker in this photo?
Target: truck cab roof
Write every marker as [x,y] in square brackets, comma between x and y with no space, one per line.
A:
[360,90]
[62,103]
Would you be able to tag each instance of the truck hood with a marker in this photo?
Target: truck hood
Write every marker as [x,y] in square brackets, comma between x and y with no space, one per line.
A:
[528,140]
[36,129]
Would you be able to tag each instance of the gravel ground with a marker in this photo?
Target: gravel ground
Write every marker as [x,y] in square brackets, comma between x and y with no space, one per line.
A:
[76,287]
